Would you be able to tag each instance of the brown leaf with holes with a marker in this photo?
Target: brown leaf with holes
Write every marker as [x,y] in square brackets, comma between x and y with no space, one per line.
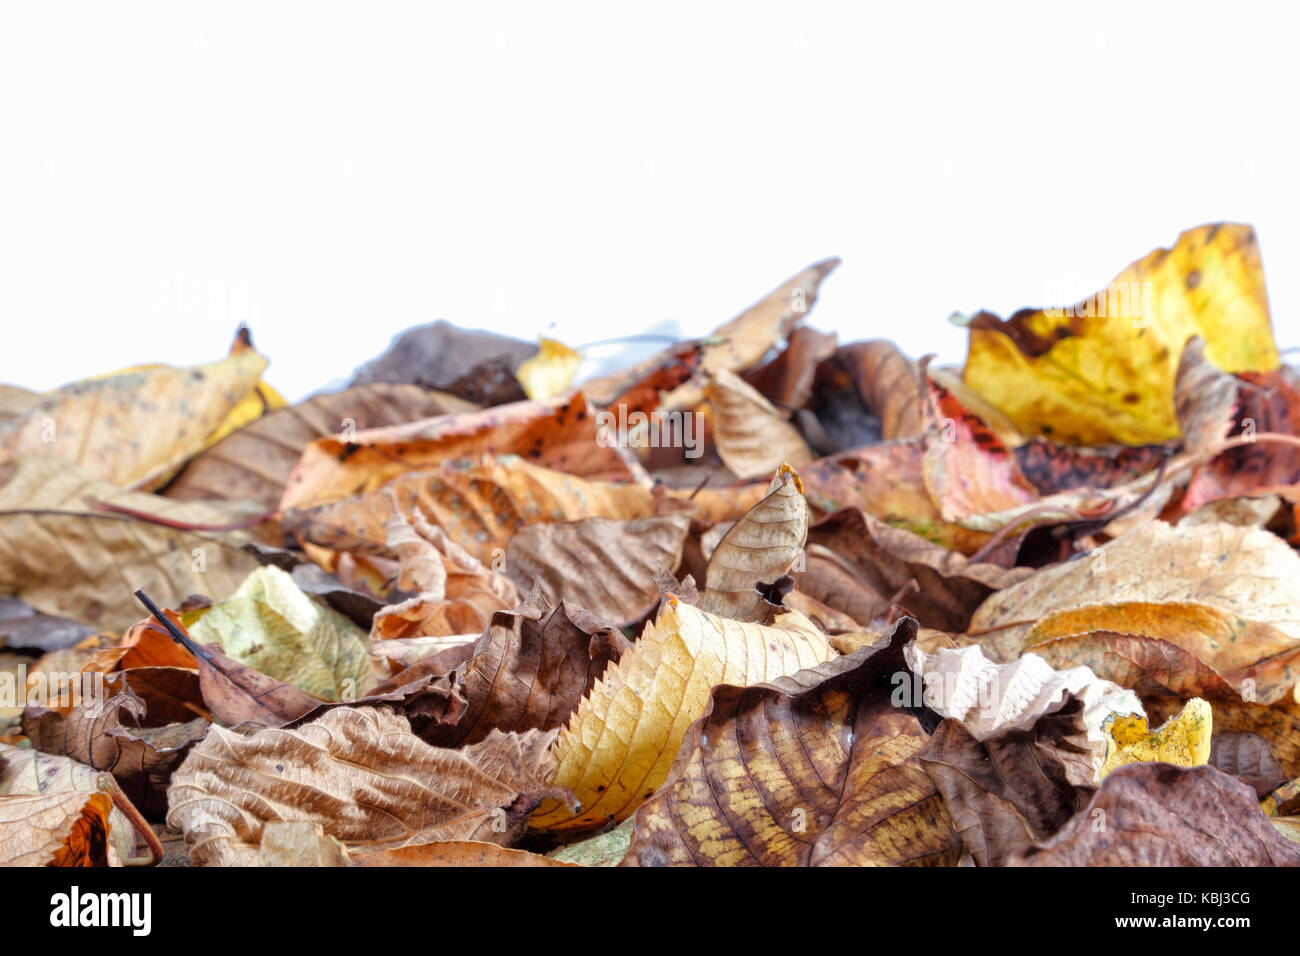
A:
[818,768]
[364,777]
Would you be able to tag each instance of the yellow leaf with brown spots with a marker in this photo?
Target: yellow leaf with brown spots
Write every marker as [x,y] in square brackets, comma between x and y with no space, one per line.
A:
[1183,741]
[135,428]
[1103,370]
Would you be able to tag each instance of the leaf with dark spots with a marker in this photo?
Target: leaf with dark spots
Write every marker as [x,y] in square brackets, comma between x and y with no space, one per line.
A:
[254,463]
[1052,467]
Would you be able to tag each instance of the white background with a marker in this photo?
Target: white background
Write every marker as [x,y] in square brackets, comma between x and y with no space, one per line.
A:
[332,174]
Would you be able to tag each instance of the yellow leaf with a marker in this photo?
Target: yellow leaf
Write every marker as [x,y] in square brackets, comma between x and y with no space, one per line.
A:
[135,428]
[621,741]
[1183,741]
[550,371]
[1103,370]
[251,407]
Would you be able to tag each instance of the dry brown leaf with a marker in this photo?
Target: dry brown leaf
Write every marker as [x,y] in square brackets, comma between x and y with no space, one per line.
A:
[744,340]
[56,829]
[558,433]
[1016,788]
[1205,398]
[455,853]
[145,644]
[25,772]
[787,380]
[604,565]
[618,747]
[475,365]
[885,481]
[887,380]
[759,548]
[1188,649]
[1247,757]
[299,843]
[529,671]
[64,558]
[480,503]
[858,565]
[236,693]
[814,769]
[254,463]
[1213,405]
[1157,814]
[440,654]
[455,593]
[1200,588]
[364,777]
[139,730]
[752,437]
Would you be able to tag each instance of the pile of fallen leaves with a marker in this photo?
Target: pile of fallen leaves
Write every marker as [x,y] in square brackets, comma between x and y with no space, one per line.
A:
[764,598]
